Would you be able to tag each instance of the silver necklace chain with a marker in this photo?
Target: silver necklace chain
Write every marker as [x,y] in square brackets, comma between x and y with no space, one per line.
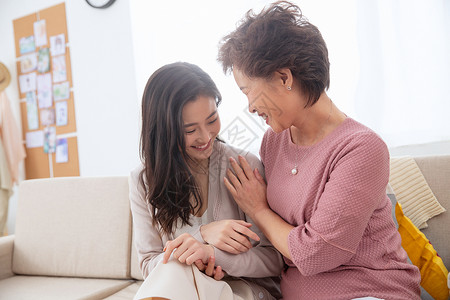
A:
[294,170]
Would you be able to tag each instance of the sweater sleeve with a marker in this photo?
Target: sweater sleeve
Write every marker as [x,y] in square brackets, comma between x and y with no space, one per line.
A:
[147,240]
[354,188]
[262,260]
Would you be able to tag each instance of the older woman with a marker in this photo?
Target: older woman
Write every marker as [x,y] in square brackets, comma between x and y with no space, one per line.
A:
[324,206]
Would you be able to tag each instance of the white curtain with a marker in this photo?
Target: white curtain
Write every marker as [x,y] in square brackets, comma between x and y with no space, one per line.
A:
[403,87]
[390,60]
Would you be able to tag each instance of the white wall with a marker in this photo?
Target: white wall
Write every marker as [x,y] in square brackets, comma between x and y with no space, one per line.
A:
[106,100]
[388,70]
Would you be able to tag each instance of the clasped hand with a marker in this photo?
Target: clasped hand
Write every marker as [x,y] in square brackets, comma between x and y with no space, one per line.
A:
[187,250]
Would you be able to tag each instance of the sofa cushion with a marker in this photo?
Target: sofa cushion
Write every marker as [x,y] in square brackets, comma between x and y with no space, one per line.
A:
[6,253]
[49,288]
[412,191]
[422,254]
[126,293]
[76,227]
[436,170]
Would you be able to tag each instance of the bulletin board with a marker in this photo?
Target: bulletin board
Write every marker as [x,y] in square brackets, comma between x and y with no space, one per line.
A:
[47,102]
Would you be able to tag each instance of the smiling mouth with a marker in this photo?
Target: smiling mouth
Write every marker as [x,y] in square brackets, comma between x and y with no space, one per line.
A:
[263,115]
[202,147]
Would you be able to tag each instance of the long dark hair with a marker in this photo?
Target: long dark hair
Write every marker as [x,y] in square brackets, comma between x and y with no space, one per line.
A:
[167,180]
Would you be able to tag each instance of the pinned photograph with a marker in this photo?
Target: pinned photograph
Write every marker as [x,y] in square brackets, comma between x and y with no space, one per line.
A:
[35,139]
[27,82]
[44,90]
[58,44]
[28,63]
[61,91]
[62,151]
[49,139]
[43,65]
[32,111]
[47,116]
[59,68]
[26,44]
[40,33]
[61,113]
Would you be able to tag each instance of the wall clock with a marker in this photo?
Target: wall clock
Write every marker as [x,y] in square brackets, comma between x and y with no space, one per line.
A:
[100,3]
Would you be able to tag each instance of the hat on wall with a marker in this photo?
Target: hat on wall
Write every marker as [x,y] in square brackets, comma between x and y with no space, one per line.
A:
[5,77]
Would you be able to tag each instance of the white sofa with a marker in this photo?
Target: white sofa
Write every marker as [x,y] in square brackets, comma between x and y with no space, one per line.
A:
[73,237]
[73,240]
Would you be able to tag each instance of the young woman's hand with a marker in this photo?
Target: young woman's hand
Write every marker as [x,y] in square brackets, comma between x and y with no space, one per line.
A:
[186,249]
[210,269]
[229,235]
[247,186]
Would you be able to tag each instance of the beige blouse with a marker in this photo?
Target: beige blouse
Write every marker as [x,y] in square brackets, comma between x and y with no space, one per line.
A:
[261,261]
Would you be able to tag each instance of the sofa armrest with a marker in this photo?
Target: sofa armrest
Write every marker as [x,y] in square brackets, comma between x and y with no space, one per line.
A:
[6,255]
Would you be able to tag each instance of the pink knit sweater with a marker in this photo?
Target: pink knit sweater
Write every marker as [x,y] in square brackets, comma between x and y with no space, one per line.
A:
[345,244]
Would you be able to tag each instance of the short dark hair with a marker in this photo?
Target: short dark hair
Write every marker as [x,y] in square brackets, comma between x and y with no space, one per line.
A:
[166,177]
[279,37]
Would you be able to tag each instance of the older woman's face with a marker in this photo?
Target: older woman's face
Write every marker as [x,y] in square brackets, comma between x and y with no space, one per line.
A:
[266,98]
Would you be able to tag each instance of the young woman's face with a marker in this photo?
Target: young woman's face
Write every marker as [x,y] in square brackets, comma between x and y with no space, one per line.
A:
[201,126]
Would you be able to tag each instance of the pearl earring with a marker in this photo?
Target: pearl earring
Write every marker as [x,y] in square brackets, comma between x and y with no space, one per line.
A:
[289,88]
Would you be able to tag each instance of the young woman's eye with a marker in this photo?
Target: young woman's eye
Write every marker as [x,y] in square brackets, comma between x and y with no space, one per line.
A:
[190,131]
[211,122]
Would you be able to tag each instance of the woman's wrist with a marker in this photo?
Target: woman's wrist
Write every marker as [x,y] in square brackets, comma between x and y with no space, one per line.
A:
[212,250]
[261,215]
[202,230]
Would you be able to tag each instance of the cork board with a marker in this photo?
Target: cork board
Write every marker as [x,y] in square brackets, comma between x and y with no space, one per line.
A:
[44,161]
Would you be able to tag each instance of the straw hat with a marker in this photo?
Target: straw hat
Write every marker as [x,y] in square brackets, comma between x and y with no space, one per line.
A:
[5,77]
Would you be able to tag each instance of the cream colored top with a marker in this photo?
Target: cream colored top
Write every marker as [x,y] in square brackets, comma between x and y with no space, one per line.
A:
[263,260]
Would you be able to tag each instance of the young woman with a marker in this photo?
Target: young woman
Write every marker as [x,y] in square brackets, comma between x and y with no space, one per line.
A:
[324,206]
[187,228]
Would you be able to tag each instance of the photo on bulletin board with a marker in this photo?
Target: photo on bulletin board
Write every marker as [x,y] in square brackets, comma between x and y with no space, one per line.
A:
[57,44]
[34,139]
[61,113]
[47,116]
[61,91]
[43,60]
[28,63]
[59,68]
[32,111]
[26,44]
[27,82]
[49,139]
[62,151]
[44,90]
[40,33]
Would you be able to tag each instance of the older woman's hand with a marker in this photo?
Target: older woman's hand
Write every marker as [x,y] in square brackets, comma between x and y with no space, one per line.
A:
[247,187]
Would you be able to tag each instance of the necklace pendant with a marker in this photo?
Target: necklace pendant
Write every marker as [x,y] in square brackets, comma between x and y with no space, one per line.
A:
[294,171]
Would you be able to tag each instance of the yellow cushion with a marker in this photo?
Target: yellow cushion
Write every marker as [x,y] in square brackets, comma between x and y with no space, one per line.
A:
[422,254]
